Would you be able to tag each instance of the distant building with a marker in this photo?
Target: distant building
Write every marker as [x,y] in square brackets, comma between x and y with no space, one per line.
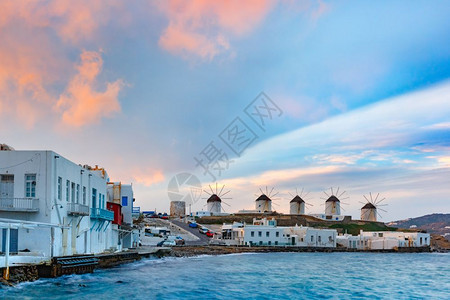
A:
[384,240]
[265,232]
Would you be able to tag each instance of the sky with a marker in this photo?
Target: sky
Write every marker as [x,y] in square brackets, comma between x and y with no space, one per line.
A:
[251,94]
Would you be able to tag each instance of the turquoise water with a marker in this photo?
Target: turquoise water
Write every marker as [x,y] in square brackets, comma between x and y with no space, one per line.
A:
[257,276]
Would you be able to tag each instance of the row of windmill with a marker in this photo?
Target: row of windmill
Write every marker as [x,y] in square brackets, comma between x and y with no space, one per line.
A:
[264,201]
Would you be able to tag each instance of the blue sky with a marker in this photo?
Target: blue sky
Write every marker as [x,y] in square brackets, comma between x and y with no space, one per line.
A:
[143,88]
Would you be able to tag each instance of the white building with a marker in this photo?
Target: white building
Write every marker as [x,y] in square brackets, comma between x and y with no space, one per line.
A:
[43,186]
[266,233]
[368,240]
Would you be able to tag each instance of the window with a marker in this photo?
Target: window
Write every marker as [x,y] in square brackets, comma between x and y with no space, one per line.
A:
[420,241]
[59,188]
[276,243]
[426,240]
[319,239]
[267,234]
[260,242]
[84,195]
[312,238]
[277,234]
[252,234]
[94,198]
[73,192]
[78,193]
[259,233]
[270,243]
[30,185]
[124,201]
[67,190]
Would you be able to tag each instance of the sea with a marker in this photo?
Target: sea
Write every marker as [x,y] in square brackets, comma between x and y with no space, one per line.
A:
[256,276]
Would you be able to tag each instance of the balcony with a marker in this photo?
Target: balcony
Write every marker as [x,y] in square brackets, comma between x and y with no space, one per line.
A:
[19,204]
[77,209]
[102,214]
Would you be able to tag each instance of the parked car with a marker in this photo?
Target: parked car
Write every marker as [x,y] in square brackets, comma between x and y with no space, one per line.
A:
[179,240]
[169,243]
[193,225]
[165,217]
[203,230]
[209,233]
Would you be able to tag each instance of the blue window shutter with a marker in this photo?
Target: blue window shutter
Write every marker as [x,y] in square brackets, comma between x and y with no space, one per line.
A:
[124,201]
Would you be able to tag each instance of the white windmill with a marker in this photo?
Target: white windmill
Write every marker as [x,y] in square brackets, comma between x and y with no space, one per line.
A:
[264,202]
[297,204]
[332,203]
[369,211]
[215,200]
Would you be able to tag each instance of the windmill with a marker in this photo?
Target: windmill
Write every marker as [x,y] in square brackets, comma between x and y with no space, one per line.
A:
[333,204]
[214,202]
[297,204]
[370,209]
[264,202]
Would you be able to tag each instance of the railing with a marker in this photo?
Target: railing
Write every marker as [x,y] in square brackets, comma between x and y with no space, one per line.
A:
[102,214]
[78,209]
[19,204]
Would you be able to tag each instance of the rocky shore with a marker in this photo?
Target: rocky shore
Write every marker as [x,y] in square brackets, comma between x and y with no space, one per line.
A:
[188,251]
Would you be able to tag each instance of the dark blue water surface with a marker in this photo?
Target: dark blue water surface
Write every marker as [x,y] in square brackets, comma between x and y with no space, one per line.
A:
[256,276]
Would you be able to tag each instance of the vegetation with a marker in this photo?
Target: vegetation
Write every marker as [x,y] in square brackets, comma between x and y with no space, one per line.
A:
[354,229]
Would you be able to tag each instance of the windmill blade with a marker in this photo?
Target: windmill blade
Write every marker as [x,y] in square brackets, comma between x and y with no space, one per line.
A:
[382,210]
[371,199]
[216,188]
[342,208]
[291,194]
[270,193]
[222,208]
[207,192]
[326,194]
[267,190]
[226,203]
[380,201]
[379,215]
[225,193]
[376,198]
[306,195]
[342,194]
[274,195]
[220,193]
[211,188]
[261,191]
[362,202]
[276,204]
[301,193]
[337,192]
[308,204]
[332,193]
[366,198]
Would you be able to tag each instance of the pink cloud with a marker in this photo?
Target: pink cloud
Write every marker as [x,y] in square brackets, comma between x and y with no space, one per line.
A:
[81,103]
[203,28]
[34,64]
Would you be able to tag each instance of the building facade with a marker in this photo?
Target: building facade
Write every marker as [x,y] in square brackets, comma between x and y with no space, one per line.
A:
[44,187]
[265,232]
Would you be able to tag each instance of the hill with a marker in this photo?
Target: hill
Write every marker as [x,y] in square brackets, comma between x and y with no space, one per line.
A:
[434,223]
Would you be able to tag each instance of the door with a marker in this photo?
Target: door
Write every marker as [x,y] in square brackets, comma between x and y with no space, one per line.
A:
[13,241]
[7,186]
[293,240]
